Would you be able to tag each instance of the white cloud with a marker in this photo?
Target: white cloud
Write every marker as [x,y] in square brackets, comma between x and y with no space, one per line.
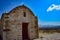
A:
[53,7]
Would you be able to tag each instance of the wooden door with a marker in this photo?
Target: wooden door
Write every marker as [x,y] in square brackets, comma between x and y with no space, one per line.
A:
[25,31]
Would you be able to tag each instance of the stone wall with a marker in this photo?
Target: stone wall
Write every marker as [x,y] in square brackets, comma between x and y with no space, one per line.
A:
[14,20]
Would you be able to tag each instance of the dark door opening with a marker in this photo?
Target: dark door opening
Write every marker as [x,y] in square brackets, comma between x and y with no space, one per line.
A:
[0,37]
[25,31]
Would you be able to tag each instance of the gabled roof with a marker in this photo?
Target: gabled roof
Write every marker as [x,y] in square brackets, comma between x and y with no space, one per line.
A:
[16,8]
[23,7]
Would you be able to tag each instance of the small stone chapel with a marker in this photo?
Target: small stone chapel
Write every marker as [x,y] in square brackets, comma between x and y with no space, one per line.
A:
[19,24]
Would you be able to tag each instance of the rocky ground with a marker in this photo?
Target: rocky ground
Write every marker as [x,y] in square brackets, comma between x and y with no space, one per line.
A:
[46,36]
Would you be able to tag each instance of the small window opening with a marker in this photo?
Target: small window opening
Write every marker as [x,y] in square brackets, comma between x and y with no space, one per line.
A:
[24,14]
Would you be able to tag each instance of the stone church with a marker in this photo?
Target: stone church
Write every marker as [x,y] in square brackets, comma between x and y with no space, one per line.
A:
[19,24]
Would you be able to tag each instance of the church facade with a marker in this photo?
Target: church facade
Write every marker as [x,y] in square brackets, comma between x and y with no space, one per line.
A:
[19,24]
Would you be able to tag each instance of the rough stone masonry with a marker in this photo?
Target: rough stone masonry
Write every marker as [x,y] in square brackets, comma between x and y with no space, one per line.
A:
[19,24]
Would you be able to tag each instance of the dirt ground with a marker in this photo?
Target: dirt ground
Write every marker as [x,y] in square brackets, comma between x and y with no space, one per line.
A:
[46,36]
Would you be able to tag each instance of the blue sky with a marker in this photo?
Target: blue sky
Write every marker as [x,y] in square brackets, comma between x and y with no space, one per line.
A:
[39,8]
